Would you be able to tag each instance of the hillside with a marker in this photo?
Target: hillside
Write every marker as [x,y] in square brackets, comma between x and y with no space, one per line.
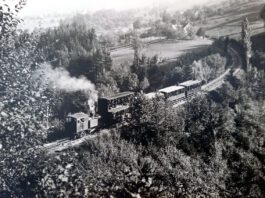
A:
[229,22]
[166,50]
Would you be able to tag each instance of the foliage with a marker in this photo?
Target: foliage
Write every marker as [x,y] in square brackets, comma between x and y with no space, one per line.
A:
[201,32]
[259,60]
[247,44]
[104,20]
[75,47]
[209,67]
[23,107]
[151,120]
[8,19]
[188,73]
[166,17]
[137,24]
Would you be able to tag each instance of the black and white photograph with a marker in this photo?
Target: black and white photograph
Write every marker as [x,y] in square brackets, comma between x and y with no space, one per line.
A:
[132,98]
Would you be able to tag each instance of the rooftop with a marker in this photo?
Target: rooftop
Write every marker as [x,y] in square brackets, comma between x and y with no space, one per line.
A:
[119,95]
[190,83]
[171,89]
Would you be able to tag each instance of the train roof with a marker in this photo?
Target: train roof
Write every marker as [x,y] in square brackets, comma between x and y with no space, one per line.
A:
[119,95]
[78,115]
[171,89]
[152,95]
[190,83]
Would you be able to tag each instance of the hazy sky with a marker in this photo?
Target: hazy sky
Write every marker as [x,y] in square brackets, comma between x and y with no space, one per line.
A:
[40,7]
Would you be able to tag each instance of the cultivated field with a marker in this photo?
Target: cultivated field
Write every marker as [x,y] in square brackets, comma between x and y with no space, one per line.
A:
[229,24]
[165,49]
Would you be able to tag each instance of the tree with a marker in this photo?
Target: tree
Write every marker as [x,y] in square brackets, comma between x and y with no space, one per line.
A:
[247,44]
[98,66]
[144,84]
[216,66]
[188,73]
[8,19]
[76,47]
[201,32]
[174,22]
[174,77]
[137,47]
[131,82]
[23,107]
[166,17]
[137,24]
[202,71]
[262,14]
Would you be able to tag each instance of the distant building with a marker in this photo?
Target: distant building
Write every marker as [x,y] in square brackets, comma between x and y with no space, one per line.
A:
[187,27]
[177,27]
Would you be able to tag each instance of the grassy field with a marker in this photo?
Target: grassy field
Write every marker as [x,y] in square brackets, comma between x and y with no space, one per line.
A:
[229,24]
[166,49]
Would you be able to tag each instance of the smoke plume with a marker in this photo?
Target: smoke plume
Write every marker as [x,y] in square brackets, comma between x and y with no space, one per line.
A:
[60,79]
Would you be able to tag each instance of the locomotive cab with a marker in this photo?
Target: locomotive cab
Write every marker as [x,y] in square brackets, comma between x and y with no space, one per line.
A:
[77,124]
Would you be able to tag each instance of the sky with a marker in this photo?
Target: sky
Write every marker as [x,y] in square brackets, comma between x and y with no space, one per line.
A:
[41,7]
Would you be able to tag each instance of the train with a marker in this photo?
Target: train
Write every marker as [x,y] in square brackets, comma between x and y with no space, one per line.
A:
[116,109]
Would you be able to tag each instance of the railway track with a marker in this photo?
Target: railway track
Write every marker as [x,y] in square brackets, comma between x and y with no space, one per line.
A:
[66,143]
[218,82]
[60,145]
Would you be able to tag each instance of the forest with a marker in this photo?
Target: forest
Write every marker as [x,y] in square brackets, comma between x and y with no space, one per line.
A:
[213,146]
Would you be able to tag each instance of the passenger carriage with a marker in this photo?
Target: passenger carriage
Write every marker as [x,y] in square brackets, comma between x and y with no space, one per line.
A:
[192,87]
[173,94]
[116,108]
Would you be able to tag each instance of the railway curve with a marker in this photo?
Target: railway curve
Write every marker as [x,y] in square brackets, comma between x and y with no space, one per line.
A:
[61,145]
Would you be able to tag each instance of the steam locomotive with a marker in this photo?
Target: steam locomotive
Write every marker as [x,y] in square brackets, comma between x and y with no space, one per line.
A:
[116,109]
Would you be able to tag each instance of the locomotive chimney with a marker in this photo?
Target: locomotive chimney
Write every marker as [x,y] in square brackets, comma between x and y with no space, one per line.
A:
[91,107]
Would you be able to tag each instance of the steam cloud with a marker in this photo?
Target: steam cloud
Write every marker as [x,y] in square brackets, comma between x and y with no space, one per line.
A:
[60,79]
